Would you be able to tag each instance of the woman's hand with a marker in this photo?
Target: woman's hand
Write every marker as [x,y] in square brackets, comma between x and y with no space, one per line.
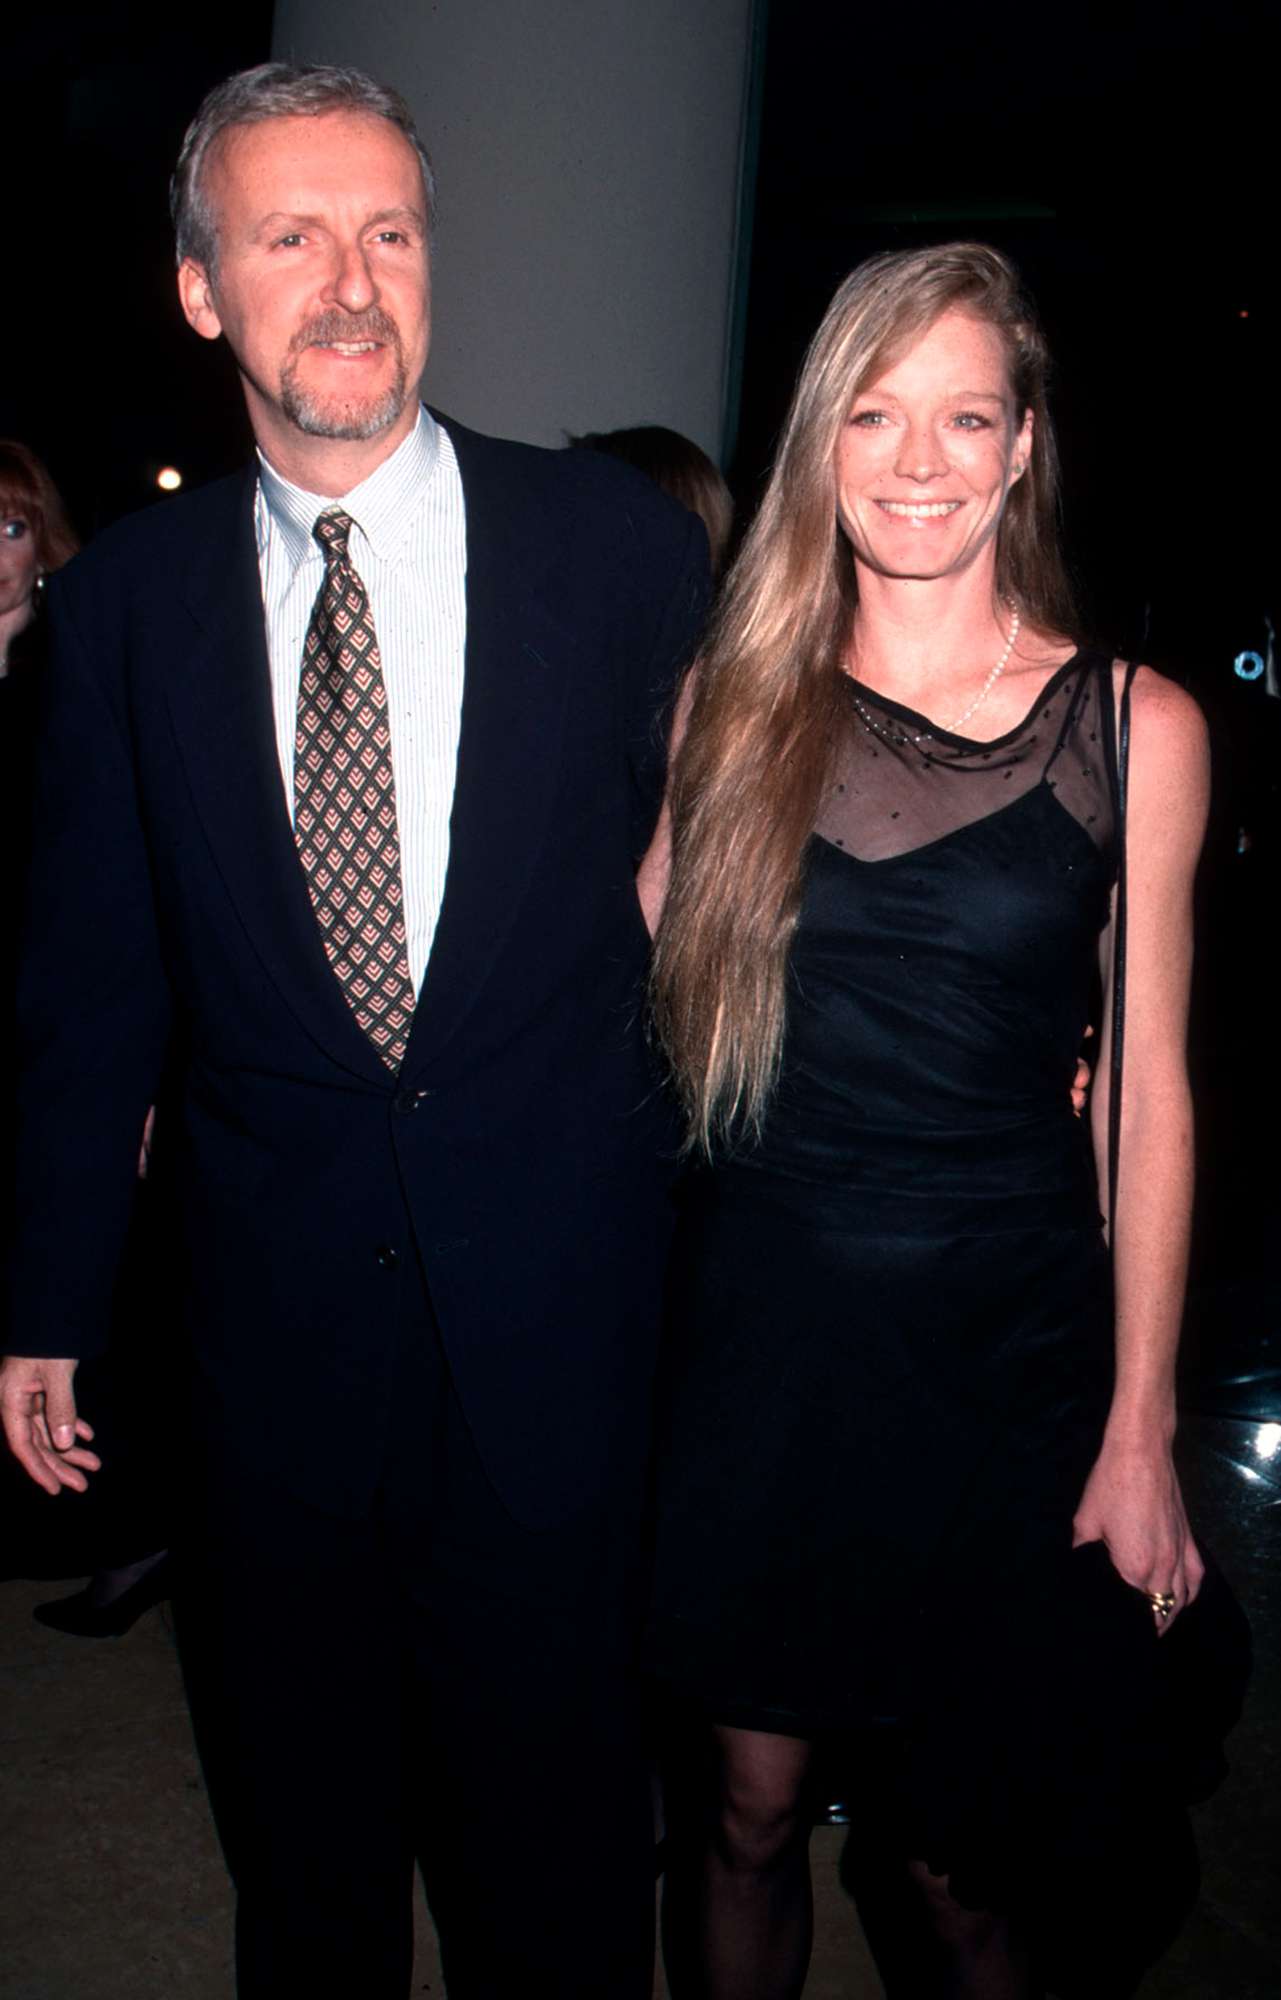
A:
[1081,1081]
[1133,1505]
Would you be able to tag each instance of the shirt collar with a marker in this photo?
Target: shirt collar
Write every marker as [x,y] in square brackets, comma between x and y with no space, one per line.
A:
[383,506]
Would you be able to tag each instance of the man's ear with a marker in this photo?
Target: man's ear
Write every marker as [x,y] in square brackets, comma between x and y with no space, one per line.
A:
[196,295]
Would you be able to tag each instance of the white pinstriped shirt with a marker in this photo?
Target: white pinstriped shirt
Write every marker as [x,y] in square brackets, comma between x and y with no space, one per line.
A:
[409,545]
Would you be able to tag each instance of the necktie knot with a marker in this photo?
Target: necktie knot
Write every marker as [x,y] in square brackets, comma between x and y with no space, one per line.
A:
[331,531]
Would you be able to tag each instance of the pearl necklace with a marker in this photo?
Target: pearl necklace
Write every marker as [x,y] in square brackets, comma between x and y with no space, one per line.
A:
[950,728]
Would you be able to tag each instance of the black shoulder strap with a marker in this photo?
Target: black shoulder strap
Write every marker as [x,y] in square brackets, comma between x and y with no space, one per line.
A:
[1118,951]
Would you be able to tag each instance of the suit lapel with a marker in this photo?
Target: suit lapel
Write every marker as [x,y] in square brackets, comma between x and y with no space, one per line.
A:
[219,691]
[518,669]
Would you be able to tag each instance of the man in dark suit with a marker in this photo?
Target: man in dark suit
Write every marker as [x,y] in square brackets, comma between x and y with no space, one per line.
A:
[346,765]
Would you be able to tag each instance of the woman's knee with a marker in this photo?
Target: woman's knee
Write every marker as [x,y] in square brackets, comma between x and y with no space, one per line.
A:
[754,1836]
[762,1819]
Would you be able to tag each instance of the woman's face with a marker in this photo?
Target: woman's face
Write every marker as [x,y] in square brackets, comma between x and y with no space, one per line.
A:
[929,451]
[18,567]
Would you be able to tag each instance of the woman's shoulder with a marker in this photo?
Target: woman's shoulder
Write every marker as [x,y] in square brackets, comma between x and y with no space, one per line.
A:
[1169,764]
[1165,719]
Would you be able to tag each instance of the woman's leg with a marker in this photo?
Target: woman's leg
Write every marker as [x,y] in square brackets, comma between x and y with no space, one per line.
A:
[927,1945]
[737,1910]
[981,1958]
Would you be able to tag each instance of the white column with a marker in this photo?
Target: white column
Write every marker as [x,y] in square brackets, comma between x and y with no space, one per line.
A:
[588,153]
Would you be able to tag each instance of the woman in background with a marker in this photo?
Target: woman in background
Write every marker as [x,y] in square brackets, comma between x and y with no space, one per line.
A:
[35,538]
[916,1488]
[682,469]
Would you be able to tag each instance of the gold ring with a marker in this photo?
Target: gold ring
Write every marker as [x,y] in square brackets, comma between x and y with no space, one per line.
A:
[1162,1601]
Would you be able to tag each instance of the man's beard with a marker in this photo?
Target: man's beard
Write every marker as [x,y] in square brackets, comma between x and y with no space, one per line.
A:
[337,417]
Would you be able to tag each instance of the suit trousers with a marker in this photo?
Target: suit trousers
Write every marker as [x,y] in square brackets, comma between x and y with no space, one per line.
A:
[432,1681]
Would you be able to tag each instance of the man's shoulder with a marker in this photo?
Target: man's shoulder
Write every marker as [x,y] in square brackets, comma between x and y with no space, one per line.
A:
[159,539]
[577,491]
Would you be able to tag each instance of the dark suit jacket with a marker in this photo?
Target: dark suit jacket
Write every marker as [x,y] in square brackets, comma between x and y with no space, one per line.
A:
[519,1158]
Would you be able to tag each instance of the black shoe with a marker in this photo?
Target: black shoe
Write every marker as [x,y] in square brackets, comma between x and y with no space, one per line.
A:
[87,1620]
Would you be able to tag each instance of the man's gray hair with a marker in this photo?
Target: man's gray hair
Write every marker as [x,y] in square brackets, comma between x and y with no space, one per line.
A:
[274,90]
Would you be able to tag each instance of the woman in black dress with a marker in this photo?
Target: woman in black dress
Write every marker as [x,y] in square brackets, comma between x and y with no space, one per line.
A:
[916,1489]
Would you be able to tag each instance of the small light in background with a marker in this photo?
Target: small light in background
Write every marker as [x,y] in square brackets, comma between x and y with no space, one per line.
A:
[1268,1440]
[1243,312]
[169,479]
[1249,666]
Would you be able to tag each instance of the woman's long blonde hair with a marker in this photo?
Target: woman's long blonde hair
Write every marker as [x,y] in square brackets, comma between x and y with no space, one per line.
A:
[747,780]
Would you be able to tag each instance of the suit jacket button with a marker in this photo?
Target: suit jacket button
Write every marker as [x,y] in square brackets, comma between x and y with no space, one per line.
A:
[386,1256]
[407,1100]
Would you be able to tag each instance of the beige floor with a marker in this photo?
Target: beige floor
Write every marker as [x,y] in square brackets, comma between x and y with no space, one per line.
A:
[112,1887]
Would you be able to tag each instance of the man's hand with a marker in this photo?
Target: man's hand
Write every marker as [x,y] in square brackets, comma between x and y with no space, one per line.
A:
[38,1410]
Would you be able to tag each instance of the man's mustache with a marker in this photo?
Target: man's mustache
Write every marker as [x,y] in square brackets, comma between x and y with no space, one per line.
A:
[327,327]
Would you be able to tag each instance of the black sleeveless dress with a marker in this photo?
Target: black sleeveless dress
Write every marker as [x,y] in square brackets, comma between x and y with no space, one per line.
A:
[890,1355]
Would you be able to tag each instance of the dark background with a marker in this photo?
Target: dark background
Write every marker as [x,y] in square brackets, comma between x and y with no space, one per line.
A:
[1125,155]
[102,376]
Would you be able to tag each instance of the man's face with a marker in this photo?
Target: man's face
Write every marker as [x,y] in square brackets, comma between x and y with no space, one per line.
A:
[323,279]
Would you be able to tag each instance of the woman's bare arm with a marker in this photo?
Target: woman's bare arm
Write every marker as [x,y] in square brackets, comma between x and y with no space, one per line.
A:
[1132,1500]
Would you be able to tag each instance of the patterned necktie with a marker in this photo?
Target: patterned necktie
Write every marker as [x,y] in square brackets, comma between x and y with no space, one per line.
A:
[345,802]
